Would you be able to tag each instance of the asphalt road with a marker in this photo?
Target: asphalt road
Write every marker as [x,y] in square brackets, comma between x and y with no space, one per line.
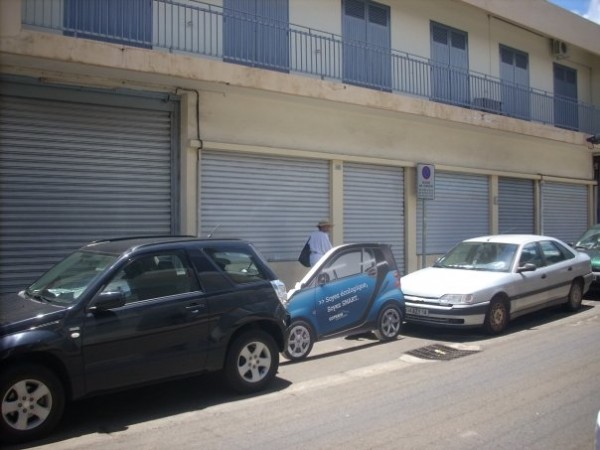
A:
[535,387]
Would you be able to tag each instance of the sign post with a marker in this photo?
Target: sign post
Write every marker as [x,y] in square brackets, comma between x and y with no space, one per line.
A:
[425,191]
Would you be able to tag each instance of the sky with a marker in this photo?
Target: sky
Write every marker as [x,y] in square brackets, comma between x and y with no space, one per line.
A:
[590,9]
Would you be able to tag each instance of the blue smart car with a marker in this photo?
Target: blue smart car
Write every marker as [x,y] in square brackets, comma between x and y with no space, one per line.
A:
[354,288]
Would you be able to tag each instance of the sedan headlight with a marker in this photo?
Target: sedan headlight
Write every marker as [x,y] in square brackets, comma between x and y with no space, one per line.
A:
[453,299]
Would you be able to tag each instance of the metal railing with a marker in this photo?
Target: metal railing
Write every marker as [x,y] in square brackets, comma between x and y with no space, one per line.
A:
[190,26]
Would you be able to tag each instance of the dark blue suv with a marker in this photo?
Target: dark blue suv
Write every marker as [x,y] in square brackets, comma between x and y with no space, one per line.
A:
[127,312]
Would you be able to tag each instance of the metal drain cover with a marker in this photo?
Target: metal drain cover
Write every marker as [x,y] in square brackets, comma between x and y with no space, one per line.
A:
[442,352]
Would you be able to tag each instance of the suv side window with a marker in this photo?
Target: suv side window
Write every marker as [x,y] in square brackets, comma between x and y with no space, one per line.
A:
[153,276]
[238,263]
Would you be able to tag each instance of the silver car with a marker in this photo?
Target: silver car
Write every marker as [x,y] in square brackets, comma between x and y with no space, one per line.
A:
[486,281]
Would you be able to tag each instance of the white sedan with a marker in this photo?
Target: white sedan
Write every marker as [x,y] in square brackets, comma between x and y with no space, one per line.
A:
[486,281]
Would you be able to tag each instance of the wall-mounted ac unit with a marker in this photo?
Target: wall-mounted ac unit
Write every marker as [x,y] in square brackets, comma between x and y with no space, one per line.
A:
[560,49]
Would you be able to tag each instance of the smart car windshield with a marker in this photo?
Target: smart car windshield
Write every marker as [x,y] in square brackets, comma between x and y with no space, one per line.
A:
[489,256]
[67,280]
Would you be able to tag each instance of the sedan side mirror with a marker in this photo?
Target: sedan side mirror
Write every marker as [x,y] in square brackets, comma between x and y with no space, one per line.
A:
[529,267]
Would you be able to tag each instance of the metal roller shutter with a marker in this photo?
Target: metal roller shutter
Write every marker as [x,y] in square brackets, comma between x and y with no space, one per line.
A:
[564,210]
[516,206]
[273,202]
[374,206]
[460,211]
[72,172]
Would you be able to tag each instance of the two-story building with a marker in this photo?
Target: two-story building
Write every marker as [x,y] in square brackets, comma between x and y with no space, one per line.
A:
[258,118]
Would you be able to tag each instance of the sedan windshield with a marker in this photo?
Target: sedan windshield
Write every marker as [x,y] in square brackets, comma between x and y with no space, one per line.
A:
[490,256]
[590,240]
[66,281]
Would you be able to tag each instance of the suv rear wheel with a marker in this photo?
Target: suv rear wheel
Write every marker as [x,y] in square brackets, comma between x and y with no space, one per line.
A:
[252,361]
[33,401]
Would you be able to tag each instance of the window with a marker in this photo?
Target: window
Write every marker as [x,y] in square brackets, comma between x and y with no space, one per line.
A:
[118,21]
[450,65]
[565,97]
[531,255]
[238,264]
[255,32]
[351,263]
[367,44]
[153,276]
[514,72]
[554,252]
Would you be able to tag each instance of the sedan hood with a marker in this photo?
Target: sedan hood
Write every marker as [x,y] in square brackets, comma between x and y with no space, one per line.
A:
[433,282]
[17,312]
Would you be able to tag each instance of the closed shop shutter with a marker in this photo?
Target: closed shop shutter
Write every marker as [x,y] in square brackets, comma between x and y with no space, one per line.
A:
[72,171]
[564,210]
[460,211]
[374,206]
[516,206]
[273,202]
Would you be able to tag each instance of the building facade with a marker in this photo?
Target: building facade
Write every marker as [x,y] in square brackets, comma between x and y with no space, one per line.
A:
[258,118]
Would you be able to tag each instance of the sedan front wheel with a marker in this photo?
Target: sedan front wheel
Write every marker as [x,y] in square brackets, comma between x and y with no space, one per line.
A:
[496,318]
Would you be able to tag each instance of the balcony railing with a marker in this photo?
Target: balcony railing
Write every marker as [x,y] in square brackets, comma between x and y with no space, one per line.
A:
[194,27]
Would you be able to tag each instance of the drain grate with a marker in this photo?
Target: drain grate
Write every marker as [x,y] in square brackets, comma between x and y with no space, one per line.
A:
[440,352]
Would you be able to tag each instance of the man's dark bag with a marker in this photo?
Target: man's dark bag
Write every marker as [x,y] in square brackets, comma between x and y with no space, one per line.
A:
[304,257]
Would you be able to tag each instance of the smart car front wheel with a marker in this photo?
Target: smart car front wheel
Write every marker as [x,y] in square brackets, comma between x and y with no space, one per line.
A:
[389,323]
[299,340]
[33,401]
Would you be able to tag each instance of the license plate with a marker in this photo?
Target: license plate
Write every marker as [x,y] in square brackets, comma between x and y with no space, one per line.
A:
[416,311]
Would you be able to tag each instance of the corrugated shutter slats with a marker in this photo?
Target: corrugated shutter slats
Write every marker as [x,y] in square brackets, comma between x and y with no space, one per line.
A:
[374,206]
[516,206]
[72,172]
[274,202]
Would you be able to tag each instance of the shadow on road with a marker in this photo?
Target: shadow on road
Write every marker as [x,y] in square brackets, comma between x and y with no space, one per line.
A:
[117,412]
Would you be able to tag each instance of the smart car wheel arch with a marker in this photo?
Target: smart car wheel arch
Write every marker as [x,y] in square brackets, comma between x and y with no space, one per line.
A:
[252,361]
[389,322]
[575,296]
[497,316]
[299,340]
[32,402]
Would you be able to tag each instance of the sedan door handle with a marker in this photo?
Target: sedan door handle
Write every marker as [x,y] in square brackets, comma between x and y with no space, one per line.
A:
[543,276]
[570,269]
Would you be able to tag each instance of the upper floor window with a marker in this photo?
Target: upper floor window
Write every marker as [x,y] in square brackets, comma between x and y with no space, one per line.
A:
[366,35]
[255,32]
[450,65]
[128,22]
[514,73]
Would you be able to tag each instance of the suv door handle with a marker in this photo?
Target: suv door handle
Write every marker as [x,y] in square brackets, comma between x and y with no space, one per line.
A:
[195,307]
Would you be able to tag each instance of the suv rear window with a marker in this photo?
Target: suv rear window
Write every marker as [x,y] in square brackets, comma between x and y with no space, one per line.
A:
[239,264]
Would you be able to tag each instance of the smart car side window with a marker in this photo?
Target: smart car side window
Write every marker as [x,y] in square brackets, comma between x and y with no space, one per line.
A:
[153,276]
[351,263]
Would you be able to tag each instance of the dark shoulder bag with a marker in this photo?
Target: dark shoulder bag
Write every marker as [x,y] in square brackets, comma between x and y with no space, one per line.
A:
[304,257]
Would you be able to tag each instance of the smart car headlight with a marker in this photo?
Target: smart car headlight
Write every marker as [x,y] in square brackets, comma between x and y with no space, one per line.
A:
[454,299]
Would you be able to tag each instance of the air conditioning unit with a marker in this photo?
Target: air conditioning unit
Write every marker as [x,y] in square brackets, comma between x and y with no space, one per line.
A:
[560,49]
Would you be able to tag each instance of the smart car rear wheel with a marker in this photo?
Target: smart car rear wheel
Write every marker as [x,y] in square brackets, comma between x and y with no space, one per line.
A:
[252,362]
[33,401]
[389,323]
[299,340]
[575,297]
[496,318]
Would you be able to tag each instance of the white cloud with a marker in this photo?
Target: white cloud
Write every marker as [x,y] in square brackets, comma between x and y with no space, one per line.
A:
[593,12]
